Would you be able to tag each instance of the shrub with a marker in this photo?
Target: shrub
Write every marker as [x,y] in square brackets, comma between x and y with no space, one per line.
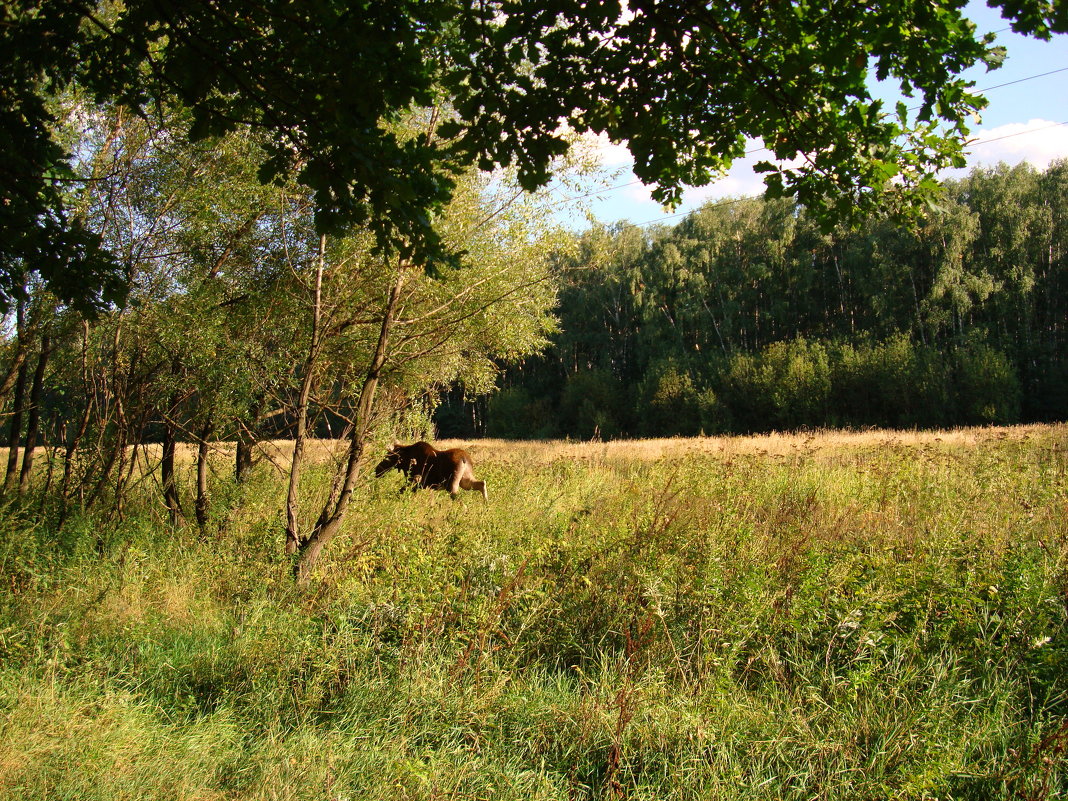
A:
[593,405]
[749,396]
[892,383]
[785,386]
[986,388]
[669,404]
[514,414]
[800,375]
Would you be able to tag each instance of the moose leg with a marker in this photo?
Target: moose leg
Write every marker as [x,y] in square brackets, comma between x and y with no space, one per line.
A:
[456,482]
[474,484]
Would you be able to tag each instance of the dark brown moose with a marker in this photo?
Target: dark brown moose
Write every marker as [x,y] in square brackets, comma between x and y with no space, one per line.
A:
[426,467]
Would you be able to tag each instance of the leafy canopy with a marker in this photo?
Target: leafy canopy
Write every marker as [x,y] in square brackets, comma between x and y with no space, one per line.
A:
[683,83]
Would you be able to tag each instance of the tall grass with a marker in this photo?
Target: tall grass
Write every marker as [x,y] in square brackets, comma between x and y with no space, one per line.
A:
[816,616]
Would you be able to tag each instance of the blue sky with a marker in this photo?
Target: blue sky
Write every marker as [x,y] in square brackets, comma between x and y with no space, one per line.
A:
[1026,120]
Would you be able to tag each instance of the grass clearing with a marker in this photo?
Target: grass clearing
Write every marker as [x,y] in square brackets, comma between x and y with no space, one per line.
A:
[820,615]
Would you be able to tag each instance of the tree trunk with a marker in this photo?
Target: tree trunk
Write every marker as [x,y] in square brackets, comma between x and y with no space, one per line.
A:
[15,430]
[33,424]
[79,433]
[57,438]
[243,460]
[170,486]
[332,518]
[248,436]
[202,476]
[17,362]
[297,462]
[116,449]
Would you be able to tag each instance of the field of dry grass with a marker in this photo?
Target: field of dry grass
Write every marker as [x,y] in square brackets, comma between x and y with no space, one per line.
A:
[819,443]
[815,443]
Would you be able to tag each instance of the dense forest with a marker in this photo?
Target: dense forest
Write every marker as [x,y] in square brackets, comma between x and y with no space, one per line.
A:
[747,317]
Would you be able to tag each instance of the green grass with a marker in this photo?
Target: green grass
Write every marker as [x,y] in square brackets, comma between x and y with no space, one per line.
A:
[864,620]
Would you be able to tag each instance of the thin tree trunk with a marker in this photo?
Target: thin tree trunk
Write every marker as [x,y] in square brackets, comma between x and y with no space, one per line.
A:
[297,462]
[247,439]
[330,524]
[335,486]
[79,434]
[122,439]
[170,486]
[202,476]
[105,473]
[33,424]
[15,430]
[51,462]
[243,459]
[117,452]
[17,362]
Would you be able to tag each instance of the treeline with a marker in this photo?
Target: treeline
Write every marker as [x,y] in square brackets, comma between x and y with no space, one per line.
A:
[746,317]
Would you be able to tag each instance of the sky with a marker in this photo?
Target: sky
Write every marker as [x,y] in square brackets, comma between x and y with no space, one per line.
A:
[1026,120]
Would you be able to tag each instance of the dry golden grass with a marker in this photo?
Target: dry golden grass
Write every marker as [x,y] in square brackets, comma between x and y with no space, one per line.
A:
[820,442]
[816,443]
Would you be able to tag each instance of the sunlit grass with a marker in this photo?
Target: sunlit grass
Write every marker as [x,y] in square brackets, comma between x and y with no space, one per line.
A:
[814,615]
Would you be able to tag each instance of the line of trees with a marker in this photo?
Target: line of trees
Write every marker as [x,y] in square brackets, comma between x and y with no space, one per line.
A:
[747,317]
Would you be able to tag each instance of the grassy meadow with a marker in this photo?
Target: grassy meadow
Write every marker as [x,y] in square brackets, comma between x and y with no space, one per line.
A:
[812,616]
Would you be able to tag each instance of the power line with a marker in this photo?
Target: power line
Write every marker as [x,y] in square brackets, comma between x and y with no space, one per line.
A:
[595,192]
[716,205]
[1021,80]
[618,187]
[984,89]
[977,142]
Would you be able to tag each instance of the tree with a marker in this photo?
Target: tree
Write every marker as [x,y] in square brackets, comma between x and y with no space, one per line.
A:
[683,83]
[379,325]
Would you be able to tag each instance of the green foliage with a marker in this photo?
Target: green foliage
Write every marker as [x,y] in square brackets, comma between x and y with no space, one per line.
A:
[955,323]
[838,619]
[668,403]
[895,383]
[799,375]
[594,405]
[324,83]
[988,392]
[514,414]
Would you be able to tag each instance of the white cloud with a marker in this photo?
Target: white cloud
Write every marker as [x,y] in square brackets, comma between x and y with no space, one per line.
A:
[609,154]
[1037,141]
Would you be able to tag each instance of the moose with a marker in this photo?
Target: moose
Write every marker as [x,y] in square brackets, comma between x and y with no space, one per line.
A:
[425,466]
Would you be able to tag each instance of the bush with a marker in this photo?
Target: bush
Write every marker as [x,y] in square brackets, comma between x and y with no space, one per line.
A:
[986,388]
[669,404]
[593,405]
[514,414]
[714,413]
[749,396]
[1046,397]
[786,386]
[800,375]
[893,383]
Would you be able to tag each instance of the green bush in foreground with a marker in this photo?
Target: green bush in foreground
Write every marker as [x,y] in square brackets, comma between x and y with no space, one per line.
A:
[853,623]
